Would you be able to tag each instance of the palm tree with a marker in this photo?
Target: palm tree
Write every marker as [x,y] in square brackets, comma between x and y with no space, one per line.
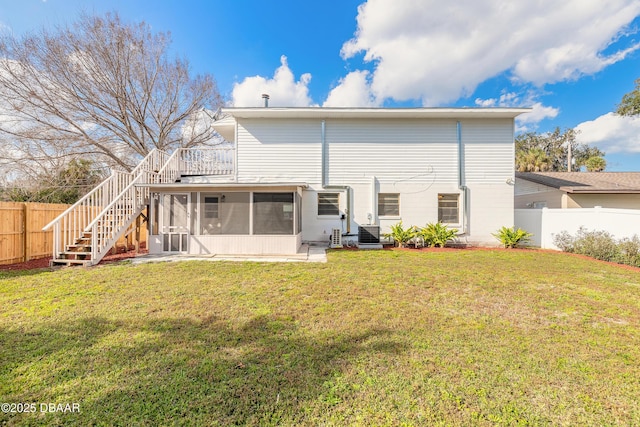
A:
[595,164]
[533,160]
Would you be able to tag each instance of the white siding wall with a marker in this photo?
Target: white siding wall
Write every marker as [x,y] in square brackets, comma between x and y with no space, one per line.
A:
[279,150]
[392,150]
[524,187]
[416,158]
[488,151]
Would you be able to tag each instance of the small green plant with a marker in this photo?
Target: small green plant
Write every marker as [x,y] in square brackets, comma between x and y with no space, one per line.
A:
[510,237]
[400,235]
[437,234]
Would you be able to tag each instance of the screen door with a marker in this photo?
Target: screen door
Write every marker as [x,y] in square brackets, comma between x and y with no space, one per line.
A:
[175,222]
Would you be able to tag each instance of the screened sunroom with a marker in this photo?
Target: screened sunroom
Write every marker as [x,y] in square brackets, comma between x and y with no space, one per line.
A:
[204,219]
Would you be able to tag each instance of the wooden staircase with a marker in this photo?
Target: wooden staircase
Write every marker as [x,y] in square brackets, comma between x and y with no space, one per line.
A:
[84,233]
[78,253]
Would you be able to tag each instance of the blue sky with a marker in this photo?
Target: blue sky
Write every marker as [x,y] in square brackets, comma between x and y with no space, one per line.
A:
[570,61]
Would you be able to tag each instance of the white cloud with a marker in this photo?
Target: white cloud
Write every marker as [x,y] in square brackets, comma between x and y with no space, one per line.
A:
[283,89]
[538,113]
[525,122]
[611,133]
[440,51]
[352,91]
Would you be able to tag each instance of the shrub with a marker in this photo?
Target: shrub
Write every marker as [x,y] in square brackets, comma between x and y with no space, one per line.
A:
[629,251]
[400,235]
[437,234]
[564,241]
[597,244]
[600,245]
[510,237]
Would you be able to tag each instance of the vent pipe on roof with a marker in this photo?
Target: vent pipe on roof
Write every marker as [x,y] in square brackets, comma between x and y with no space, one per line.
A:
[265,96]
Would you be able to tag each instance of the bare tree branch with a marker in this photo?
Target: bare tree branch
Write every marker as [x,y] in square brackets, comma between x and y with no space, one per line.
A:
[98,87]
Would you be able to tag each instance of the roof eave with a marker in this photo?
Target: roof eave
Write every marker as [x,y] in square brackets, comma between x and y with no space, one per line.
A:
[354,113]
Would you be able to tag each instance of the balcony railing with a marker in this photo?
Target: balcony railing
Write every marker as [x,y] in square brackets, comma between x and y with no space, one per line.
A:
[207,161]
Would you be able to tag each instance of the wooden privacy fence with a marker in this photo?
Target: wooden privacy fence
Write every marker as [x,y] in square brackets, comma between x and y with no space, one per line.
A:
[21,235]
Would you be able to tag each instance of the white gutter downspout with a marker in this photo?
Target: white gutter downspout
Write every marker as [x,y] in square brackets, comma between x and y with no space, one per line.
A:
[461,180]
[325,169]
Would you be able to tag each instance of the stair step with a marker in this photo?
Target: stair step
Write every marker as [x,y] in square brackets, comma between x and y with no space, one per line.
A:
[68,262]
[79,246]
[76,254]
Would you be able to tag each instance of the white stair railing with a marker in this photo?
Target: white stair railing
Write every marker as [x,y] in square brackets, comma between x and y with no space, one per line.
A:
[69,226]
[107,210]
[172,168]
[117,216]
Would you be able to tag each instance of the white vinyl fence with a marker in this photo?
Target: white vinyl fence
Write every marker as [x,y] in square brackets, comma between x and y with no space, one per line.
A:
[545,223]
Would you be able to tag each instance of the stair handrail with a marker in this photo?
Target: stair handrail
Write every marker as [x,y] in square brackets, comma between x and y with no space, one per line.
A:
[153,153]
[153,162]
[70,224]
[99,187]
[172,168]
[121,218]
[119,196]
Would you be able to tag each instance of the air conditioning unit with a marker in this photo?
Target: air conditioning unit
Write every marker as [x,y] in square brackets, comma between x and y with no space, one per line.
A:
[369,237]
[369,234]
[336,238]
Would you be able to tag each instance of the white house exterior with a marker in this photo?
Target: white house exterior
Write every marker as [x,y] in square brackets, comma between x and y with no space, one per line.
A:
[294,175]
[302,172]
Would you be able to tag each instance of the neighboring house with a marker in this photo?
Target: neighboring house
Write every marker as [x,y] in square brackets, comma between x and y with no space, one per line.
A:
[577,190]
[293,175]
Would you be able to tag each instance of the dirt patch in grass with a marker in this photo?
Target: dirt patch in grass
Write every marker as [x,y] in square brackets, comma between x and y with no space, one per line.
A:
[40,263]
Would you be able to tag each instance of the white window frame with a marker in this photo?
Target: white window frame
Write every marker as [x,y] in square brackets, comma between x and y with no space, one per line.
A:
[381,211]
[336,204]
[458,205]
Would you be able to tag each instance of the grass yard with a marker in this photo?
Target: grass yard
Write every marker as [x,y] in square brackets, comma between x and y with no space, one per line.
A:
[469,337]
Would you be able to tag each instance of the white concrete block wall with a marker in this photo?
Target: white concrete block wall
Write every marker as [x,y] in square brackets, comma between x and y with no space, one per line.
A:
[620,223]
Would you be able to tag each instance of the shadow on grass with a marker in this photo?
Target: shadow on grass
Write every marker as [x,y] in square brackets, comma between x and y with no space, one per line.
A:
[266,371]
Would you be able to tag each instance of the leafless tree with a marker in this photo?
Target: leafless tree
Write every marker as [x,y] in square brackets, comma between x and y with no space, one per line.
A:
[102,89]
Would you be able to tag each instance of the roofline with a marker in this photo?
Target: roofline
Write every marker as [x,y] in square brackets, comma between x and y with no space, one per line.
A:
[362,113]
[575,190]
[586,189]
[216,185]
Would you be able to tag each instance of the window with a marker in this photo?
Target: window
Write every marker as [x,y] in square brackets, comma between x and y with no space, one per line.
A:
[211,209]
[273,213]
[155,214]
[448,208]
[389,204]
[226,213]
[328,203]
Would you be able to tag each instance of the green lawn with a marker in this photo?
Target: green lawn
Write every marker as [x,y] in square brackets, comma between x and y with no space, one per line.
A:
[469,337]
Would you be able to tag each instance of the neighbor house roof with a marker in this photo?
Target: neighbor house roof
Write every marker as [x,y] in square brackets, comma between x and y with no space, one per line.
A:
[378,113]
[586,182]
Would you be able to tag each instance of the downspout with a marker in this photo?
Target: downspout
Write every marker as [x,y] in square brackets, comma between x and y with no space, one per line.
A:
[461,179]
[325,169]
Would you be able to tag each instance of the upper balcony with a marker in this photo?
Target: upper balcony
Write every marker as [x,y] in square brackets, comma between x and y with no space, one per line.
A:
[210,161]
[207,161]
